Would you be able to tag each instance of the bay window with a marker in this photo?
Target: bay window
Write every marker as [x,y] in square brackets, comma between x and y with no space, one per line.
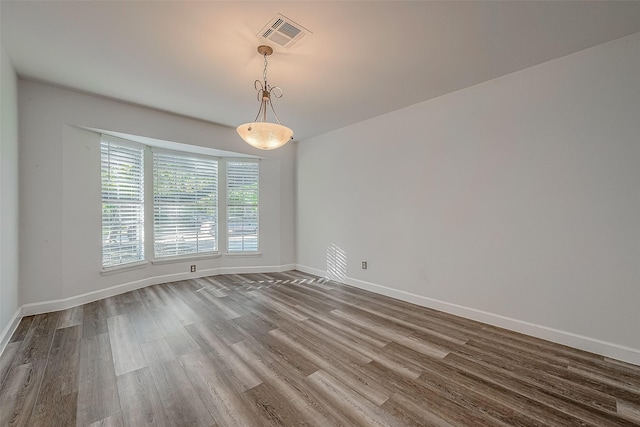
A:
[182,204]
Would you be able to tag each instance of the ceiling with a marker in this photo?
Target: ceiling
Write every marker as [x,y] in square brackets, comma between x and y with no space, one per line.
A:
[364,58]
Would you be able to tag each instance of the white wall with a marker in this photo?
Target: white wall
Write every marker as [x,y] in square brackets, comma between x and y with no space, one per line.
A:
[8,198]
[515,202]
[60,252]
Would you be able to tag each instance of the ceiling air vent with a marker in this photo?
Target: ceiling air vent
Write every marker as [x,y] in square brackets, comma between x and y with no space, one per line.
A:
[283,31]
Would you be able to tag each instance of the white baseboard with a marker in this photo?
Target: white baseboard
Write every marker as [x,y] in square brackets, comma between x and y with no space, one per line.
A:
[10,329]
[63,304]
[593,345]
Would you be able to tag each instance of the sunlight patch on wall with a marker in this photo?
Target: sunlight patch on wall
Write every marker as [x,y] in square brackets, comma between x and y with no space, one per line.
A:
[336,263]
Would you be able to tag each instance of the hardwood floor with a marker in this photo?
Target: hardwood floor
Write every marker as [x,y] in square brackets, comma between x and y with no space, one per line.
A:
[294,349]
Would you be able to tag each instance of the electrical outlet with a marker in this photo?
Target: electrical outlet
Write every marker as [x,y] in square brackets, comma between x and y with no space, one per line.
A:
[193,268]
[364,265]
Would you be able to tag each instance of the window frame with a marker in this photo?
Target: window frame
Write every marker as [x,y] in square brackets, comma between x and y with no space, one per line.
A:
[184,155]
[140,229]
[229,215]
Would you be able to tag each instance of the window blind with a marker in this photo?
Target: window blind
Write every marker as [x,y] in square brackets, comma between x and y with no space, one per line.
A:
[242,206]
[122,203]
[185,196]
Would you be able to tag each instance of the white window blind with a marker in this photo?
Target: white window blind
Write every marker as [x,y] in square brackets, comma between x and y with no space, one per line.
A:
[122,203]
[185,197]
[242,206]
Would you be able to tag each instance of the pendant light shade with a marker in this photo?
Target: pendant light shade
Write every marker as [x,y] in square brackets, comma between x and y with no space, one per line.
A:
[263,134]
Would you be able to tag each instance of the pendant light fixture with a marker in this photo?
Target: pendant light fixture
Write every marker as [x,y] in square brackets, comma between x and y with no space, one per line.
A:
[262,134]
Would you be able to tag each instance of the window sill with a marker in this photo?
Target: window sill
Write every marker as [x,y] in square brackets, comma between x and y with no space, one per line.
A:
[124,267]
[185,258]
[244,254]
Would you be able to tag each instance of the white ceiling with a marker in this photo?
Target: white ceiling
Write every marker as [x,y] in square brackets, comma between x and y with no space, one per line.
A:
[364,58]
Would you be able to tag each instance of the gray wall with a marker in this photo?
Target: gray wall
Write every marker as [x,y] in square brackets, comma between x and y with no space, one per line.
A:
[8,196]
[515,201]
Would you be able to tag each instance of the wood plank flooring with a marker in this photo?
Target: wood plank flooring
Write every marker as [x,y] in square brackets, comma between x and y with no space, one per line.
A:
[293,349]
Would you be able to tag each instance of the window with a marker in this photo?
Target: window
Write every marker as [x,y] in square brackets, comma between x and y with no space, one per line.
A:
[242,206]
[122,203]
[185,204]
[179,207]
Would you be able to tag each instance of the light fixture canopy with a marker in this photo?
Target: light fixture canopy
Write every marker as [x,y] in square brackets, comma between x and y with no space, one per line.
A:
[263,134]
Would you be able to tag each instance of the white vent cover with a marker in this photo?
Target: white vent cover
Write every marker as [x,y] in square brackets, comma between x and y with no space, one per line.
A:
[283,31]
